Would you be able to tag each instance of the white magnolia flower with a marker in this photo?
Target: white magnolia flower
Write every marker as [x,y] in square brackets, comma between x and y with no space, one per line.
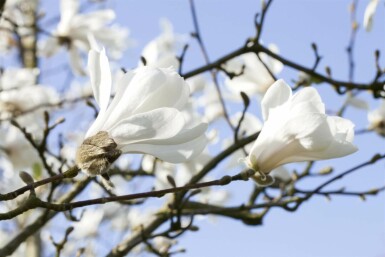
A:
[22,99]
[28,99]
[138,217]
[369,13]
[144,116]
[17,150]
[88,226]
[162,52]
[13,78]
[297,129]
[17,16]
[197,83]
[210,102]
[74,29]
[255,78]
[377,119]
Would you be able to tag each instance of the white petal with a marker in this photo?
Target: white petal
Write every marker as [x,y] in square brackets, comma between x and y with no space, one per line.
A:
[100,76]
[274,65]
[162,123]
[283,143]
[369,13]
[275,96]
[93,20]
[357,103]
[49,47]
[149,88]
[68,9]
[185,135]
[76,61]
[171,153]
[310,97]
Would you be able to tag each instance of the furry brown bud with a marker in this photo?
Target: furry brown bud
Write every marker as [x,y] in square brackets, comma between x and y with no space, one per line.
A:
[97,153]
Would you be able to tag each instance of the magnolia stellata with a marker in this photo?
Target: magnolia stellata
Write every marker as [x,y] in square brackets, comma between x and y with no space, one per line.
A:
[144,116]
[296,129]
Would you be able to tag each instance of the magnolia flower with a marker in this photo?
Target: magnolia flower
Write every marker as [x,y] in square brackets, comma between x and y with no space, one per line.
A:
[74,30]
[210,102]
[162,52]
[17,150]
[297,129]
[144,116]
[254,78]
[88,225]
[139,217]
[17,16]
[377,119]
[369,13]
[23,100]
[13,78]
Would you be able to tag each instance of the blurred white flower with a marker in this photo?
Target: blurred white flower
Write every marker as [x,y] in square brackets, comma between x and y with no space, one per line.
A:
[143,117]
[162,52]
[23,100]
[17,150]
[74,29]
[250,124]
[297,129]
[163,244]
[20,12]
[138,217]
[88,225]
[281,174]
[197,83]
[255,78]
[356,102]
[369,13]
[306,80]
[13,78]
[210,103]
[376,119]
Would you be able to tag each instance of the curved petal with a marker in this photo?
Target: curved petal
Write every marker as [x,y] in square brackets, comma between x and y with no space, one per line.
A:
[171,153]
[282,143]
[100,76]
[174,92]
[310,97]
[308,137]
[369,13]
[276,95]
[162,123]
[68,9]
[149,88]
[76,61]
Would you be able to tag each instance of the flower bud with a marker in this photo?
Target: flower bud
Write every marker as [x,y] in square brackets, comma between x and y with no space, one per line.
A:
[97,153]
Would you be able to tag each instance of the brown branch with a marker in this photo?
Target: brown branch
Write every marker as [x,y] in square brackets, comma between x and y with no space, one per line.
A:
[373,160]
[375,87]
[70,173]
[34,202]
